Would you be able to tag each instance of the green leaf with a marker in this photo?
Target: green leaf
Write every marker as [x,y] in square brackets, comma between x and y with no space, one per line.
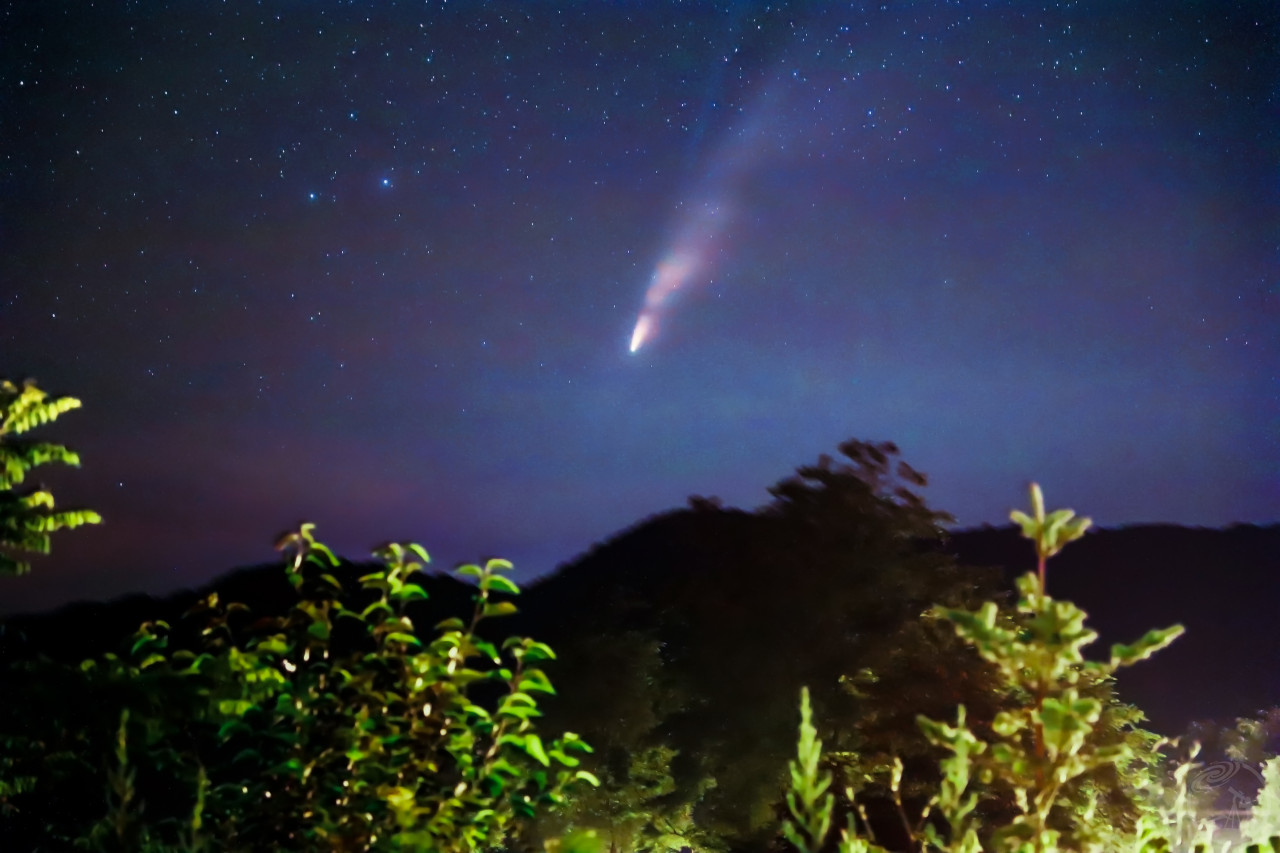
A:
[572,741]
[234,707]
[533,748]
[464,676]
[323,550]
[151,659]
[535,680]
[519,712]
[470,570]
[1150,643]
[1025,522]
[504,767]
[499,608]
[272,645]
[535,651]
[1069,713]
[512,699]
[564,758]
[377,605]
[499,583]
[1058,517]
[401,637]
[411,592]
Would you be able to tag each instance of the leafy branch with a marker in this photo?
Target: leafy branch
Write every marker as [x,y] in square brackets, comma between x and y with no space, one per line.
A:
[27,518]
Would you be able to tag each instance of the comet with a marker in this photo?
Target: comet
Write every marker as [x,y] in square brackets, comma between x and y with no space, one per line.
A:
[680,267]
[702,228]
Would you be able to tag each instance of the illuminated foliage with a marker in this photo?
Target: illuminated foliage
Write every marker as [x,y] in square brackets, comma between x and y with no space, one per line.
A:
[1034,751]
[28,516]
[1264,822]
[331,727]
[1051,532]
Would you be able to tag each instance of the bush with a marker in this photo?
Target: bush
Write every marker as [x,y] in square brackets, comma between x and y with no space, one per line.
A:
[327,728]
[1035,752]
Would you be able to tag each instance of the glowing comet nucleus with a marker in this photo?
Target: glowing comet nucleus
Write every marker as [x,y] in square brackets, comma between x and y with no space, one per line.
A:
[641,333]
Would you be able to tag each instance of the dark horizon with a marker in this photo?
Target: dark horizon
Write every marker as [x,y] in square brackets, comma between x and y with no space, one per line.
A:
[46,588]
[1216,582]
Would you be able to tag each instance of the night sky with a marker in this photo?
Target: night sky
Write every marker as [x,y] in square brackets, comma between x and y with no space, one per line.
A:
[381,266]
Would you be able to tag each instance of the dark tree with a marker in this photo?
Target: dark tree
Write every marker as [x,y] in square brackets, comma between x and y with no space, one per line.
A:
[824,587]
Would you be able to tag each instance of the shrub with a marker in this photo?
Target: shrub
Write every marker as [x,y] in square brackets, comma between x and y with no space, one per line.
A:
[1035,750]
[327,728]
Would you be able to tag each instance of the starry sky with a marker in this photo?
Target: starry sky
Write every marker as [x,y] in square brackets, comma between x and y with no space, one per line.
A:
[383,266]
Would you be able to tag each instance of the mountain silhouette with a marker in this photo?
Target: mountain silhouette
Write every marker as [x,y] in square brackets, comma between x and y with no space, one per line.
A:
[1222,584]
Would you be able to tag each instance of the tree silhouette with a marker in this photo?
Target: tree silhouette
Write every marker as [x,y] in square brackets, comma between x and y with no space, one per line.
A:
[826,581]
